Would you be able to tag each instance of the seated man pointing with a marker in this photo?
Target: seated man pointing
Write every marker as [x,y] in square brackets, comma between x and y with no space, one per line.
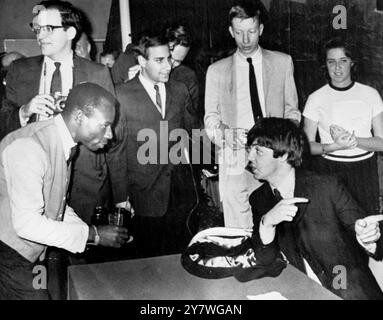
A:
[313,218]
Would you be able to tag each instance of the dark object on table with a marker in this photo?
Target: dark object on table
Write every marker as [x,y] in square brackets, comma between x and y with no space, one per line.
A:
[223,252]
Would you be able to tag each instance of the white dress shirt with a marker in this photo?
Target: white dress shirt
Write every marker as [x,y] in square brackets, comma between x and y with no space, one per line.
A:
[245,111]
[149,87]
[66,70]
[24,170]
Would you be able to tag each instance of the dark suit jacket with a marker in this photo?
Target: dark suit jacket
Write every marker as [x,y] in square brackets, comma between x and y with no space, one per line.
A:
[90,184]
[149,184]
[182,73]
[323,233]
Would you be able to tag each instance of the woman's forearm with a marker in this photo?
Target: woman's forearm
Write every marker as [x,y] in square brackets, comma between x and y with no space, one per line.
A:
[317,148]
[370,144]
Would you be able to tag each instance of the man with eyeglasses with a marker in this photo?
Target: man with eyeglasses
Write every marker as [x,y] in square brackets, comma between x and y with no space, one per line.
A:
[31,83]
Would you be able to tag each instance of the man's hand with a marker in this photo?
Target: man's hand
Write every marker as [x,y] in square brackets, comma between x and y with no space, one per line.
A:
[112,236]
[42,104]
[368,232]
[236,138]
[284,210]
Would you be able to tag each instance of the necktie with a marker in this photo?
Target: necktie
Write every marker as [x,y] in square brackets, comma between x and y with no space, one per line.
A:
[56,80]
[158,97]
[255,104]
[277,195]
[72,155]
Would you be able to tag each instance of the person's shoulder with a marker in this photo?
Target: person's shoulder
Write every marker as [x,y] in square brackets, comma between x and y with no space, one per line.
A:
[320,92]
[182,72]
[222,64]
[275,55]
[89,65]
[26,62]
[319,181]
[176,85]
[259,192]
[125,87]
[366,89]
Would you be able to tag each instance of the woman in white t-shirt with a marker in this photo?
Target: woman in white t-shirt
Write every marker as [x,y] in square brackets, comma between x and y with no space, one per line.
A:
[349,119]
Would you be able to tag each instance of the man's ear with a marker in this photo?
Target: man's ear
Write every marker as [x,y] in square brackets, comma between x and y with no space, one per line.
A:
[231,31]
[142,61]
[261,26]
[71,32]
[78,116]
[283,158]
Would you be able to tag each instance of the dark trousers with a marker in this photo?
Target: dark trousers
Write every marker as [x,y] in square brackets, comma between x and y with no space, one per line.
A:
[21,279]
[360,177]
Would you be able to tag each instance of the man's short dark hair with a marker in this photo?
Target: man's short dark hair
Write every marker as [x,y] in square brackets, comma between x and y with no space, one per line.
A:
[114,53]
[148,41]
[280,135]
[87,97]
[249,9]
[70,15]
[178,35]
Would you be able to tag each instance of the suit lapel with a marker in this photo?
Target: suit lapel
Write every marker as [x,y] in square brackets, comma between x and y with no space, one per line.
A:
[79,72]
[301,191]
[266,71]
[146,98]
[231,94]
[36,68]
[169,110]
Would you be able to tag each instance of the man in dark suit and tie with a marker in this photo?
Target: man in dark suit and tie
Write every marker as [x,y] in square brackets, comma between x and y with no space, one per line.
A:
[161,191]
[313,218]
[33,82]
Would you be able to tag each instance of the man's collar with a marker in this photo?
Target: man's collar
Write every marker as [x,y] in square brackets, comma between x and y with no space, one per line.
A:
[65,136]
[287,185]
[67,60]
[148,83]
[256,56]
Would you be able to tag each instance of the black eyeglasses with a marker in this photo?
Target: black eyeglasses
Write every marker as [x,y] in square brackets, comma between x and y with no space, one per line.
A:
[36,29]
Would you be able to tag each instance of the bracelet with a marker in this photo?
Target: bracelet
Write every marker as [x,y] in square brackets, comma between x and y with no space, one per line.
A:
[96,237]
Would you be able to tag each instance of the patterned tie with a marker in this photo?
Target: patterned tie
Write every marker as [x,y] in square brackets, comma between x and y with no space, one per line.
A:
[255,104]
[56,80]
[158,97]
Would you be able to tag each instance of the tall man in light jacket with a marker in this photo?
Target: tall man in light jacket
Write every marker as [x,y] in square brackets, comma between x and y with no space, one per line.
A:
[239,90]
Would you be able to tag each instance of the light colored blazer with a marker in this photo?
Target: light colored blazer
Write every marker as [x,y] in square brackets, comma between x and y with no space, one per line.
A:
[281,99]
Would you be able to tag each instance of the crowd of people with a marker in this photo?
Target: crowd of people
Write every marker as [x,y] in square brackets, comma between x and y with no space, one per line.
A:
[110,145]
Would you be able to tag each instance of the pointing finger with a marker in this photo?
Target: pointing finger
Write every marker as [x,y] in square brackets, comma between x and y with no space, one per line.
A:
[373,218]
[295,200]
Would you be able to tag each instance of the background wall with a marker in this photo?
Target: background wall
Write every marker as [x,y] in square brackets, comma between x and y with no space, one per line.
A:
[296,27]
